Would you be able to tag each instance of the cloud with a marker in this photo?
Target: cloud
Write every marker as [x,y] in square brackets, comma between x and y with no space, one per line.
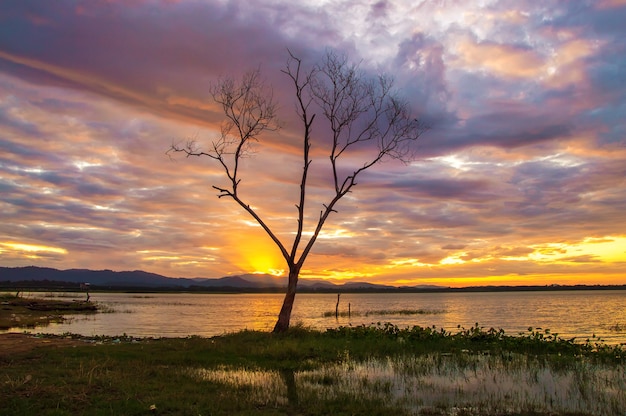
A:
[525,150]
[501,60]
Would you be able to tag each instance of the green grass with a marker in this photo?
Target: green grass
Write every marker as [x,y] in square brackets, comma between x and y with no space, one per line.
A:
[373,370]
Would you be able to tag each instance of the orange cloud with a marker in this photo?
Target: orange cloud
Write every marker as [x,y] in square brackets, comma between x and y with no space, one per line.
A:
[25,248]
[503,60]
[566,65]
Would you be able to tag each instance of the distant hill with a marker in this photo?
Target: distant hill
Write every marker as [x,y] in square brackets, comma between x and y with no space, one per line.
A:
[365,285]
[141,279]
[94,277]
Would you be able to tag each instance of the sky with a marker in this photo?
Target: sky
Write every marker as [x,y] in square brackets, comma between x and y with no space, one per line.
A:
[520,179]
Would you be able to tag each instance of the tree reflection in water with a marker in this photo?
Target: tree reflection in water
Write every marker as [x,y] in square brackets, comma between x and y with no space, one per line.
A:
[289,378]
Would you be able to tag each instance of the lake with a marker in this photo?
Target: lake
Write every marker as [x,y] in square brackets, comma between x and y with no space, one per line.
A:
[578,314]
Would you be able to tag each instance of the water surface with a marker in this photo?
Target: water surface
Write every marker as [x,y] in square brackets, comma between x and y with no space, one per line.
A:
[580,314]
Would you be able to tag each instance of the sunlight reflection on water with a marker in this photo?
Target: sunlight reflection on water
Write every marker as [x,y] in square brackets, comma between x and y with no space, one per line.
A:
[578,314]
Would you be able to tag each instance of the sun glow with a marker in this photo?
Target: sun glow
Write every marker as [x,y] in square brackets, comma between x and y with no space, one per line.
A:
[568,259]
[30,248]
[455,259]
[408,262]
[591,250]
[609,249]
[257,254]
[265,265]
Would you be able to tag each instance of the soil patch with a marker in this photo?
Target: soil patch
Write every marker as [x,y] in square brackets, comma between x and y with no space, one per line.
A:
[11,344]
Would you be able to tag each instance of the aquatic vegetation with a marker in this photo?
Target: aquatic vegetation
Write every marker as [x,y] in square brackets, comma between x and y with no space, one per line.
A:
[384,312]
[477,338]
[404,312]
[108,308]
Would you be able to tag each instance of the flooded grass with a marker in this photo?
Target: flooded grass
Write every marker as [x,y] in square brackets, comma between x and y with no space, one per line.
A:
[442,384]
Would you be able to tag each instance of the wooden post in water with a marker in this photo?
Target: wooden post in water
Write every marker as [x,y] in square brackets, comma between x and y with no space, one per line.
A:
[337,306]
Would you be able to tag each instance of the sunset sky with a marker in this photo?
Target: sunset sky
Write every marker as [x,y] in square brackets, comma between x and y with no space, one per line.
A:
[521,178]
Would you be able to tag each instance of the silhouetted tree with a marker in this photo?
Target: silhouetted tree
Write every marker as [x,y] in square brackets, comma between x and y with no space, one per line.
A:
[361,113]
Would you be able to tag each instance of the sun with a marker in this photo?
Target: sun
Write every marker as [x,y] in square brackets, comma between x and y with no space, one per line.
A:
[258,254]
[266,265]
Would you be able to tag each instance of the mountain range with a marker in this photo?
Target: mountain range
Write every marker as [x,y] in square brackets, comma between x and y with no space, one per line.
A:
[138,278]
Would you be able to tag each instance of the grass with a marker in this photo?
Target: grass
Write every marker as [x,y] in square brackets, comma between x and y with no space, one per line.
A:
[374,370]
[24,312]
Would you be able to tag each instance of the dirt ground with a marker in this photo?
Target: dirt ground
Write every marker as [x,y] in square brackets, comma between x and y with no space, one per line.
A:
[11,344]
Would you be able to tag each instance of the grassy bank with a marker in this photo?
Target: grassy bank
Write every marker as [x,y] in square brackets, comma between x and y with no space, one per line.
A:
[27,312]
[362,370]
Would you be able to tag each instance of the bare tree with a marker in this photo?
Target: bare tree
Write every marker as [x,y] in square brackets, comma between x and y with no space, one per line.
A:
[361,113]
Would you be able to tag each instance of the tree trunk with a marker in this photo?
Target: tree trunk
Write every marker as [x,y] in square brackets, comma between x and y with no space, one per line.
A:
[285,312]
